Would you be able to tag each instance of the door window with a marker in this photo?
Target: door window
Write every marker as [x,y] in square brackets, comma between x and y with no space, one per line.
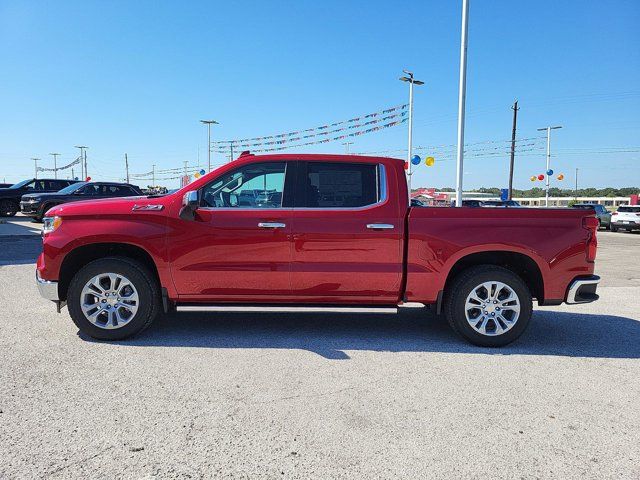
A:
[259,185]
[340,185]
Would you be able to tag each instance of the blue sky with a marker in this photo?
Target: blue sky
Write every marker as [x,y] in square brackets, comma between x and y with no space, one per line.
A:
[137,76]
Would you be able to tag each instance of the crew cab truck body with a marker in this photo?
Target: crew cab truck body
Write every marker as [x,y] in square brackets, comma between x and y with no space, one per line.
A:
[326,232]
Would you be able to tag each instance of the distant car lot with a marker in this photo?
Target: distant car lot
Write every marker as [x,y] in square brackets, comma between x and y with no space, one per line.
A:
[317,396]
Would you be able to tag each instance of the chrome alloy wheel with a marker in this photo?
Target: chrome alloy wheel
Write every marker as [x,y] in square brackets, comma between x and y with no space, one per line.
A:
[492,308]
[109,300]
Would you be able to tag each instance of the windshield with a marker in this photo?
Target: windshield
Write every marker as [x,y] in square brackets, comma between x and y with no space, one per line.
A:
[629,209]
[72,188]
[585,207]
[21,184]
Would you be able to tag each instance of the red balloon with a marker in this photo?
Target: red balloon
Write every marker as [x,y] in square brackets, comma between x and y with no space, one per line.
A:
[88,179]
[406,165]
[540,177]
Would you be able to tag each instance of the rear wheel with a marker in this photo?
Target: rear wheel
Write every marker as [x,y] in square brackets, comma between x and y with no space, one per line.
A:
[614,228]
[488,305]
[8,208]
[113,298]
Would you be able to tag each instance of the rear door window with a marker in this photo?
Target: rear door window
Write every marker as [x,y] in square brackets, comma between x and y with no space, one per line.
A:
[629,209]
[338,185]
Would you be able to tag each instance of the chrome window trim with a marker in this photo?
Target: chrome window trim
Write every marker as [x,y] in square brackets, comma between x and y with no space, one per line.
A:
[381,182]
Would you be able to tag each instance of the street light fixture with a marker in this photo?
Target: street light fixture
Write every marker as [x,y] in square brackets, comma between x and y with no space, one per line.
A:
[548,130]
[35,162]
[411,81]
[208,123]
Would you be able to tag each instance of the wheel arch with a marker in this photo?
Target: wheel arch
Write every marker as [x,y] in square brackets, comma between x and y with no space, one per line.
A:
[82,255]
[526,267]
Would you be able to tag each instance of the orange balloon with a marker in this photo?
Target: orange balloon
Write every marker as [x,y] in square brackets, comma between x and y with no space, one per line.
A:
[561,177]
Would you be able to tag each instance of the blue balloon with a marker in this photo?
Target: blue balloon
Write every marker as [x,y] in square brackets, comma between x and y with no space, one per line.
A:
[549,172]
[415,160]
[202,172]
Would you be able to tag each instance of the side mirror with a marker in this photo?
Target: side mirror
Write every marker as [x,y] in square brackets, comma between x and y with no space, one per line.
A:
[189,205]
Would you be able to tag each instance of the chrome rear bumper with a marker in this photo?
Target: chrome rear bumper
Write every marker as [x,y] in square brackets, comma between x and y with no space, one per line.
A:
[583,290]
[47,289]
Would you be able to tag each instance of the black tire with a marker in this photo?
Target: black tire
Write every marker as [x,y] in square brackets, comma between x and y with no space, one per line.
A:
[614,228]
[460,288]
[8,208]
[139,276]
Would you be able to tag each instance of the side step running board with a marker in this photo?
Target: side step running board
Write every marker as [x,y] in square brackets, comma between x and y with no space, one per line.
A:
[285,308]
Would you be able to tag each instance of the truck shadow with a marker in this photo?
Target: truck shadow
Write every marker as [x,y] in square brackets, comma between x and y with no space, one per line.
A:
[334,336]
[19,249]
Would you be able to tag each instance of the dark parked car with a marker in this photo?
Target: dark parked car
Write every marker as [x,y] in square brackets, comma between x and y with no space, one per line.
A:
[604,216]
[469,203]
[10,197]
[5,185]
[36,204]
[500,203]
[417,203]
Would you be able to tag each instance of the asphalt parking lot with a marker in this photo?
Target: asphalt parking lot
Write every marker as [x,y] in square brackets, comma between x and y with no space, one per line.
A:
[316,396]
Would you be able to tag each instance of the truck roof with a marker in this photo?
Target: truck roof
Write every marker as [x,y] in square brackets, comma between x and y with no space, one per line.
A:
[317,157]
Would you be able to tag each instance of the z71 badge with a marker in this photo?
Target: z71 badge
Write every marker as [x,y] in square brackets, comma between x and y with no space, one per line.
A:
[137,207]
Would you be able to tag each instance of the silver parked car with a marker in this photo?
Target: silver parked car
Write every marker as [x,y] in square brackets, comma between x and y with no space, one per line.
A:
[604,216]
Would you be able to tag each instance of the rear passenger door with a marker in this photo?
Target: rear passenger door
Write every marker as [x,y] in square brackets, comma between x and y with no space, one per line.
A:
[347,234]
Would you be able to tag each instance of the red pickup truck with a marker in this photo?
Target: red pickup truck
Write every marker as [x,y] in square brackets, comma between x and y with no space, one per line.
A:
[311,232]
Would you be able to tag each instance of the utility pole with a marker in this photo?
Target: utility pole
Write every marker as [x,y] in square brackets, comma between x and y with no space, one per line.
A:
[575,195]
[462,93]
[126,166]
[548,130]
[35,161]
[346,147]
[55,164]
[184,179]
[513,147]
[83,161]
[409,78]
[208,123]
[153,175]
[231,149]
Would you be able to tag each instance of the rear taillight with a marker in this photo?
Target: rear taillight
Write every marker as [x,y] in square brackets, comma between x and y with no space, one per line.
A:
[614,214]
[591,224]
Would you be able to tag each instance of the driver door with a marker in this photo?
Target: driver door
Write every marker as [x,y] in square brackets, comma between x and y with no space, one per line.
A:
[238,246]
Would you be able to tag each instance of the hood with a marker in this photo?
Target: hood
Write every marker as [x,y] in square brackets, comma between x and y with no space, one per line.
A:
[27,196]
[106,206]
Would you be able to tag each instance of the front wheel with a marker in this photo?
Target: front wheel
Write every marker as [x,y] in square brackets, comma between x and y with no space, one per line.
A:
[113,298]
[614,228]
[488,305]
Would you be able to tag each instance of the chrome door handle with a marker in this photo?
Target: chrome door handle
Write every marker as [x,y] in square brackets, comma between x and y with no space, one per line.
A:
[380,226]
[271,225]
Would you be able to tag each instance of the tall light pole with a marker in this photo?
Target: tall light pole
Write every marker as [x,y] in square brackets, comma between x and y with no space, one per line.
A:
[83,161]
[35,161]
[462,92]
[126,166]
[548,130]
[55,164]
[153,175]
[575,196]
[412,81]
[346,147]
[208,123]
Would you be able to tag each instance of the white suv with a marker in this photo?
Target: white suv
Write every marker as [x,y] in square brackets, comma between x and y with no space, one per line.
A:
[627,217]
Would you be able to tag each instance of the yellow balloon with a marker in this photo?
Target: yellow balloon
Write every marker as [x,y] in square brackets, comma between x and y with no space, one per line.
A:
[533,178]
[197,175]
[430,161]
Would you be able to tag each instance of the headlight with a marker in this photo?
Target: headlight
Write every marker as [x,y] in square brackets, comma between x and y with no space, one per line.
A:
[49,224]
[34,200]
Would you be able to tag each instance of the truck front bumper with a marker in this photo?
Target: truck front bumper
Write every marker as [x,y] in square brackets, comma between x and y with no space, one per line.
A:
[47,289]
[583,290]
